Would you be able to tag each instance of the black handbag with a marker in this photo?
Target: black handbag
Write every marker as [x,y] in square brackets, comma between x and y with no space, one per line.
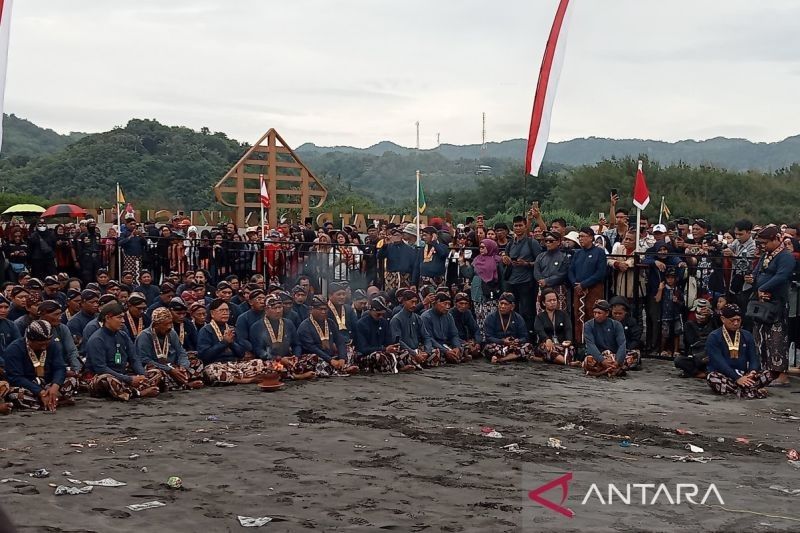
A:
[763,312]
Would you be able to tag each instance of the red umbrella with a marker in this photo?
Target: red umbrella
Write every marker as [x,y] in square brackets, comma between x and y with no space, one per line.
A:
[64,210]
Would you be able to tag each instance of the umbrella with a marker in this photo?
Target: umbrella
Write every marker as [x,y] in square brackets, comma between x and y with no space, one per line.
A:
[64,210]
[24,209]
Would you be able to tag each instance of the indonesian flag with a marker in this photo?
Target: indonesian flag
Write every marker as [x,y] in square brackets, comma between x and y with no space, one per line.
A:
[546,89]
[5,27]
[264,193]
[641,196]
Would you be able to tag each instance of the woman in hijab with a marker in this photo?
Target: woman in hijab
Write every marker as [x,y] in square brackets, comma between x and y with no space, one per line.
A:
[484,272]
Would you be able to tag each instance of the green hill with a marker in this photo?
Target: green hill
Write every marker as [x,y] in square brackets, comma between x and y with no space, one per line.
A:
[23,140]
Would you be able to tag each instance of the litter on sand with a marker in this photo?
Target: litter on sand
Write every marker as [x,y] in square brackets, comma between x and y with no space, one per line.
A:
[41,473]
[742,440]
[146,505]
[63,489]
[795,464]
[75,481]
[223,444]
[513,448]
[493,434]
[12,480]
[694,449]
[106,482]
[681,431]
[793,492]
[249,521]
[555,443]
[792,455]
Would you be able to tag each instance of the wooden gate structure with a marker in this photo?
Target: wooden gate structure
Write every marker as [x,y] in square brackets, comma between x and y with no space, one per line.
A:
[291,185]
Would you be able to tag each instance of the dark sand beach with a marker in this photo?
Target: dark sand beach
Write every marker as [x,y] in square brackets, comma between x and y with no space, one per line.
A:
[407,453]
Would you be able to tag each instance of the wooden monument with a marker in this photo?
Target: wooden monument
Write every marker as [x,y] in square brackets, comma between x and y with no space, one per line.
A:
[290,184]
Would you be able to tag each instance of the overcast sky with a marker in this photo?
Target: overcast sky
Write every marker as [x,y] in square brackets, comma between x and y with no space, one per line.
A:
[355,72]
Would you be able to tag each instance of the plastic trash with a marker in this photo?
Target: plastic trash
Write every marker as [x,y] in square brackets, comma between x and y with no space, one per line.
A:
[694,449]
[133,456]
[493,435]
[143,469]
[625,443]
[795,464]
[106,482]
[63,489]
[681,431]
[567,427]
[175,482]
[555,443]
[223,444]
[513,448]
[144,506]
[793,492]
[742,440]
[75,481]
[720,439]
[12,480]
[212,418]
[792,455]
[249,521]
[41,473]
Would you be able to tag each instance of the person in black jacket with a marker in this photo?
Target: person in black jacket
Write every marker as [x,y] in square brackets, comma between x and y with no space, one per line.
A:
[620,311]
[553,329]
[42,250]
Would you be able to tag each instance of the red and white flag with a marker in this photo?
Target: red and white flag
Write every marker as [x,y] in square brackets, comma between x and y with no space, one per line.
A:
[5,30]
[546,89]
[264,193]
[641,195]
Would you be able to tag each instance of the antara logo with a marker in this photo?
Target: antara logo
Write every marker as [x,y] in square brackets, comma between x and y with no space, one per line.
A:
[628,494]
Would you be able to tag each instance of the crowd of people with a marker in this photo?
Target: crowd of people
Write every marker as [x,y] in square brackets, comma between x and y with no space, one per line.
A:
[190,308]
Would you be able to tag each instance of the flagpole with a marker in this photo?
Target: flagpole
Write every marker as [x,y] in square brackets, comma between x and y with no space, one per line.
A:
[661,212]
[119,235]
[263,234]
[417,201]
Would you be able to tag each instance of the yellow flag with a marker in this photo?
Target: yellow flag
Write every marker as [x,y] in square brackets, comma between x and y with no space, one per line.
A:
[120,196]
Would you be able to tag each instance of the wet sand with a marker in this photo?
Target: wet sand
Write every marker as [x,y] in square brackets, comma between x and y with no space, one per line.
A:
[406,453]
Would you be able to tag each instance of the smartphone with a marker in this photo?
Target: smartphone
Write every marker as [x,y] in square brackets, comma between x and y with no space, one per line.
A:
[535,205]
[614,192]
[602,215]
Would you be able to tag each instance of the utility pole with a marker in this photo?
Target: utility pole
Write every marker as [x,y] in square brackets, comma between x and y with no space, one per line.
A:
[483,136]
[417,134]
[437,140]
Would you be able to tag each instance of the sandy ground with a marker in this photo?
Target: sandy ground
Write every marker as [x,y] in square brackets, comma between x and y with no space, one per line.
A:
[406,453]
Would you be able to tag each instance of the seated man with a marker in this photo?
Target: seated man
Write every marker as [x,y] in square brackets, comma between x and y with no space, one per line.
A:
[8,330]
[183,325]
[158,347]
[321,341]
[224,360]
[247,319]
[605,345]
[90,303]
[299,297]
[379,353]
[553,329]
[734,366]
[273,337]
[620,311]
[468,330]
[360,302]
[694,363]
[441,326]
[506,333]
[135,318]
[110,356]
[36,371]
[343,316]
[51,313]
[410,332]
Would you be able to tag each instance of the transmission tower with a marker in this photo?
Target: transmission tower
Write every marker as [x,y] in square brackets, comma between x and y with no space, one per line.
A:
[483,136]
[438,143]
[417,134]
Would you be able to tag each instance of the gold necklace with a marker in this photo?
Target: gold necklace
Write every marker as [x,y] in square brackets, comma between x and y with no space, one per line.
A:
[427,254]
[216,329]
[37,360]
[733,345]
[162,350]
[182,332]
[274,339]
[136,328]
[341,320]
[505,326]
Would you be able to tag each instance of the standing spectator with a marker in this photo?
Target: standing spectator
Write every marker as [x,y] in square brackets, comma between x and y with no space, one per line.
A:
[87,251]
[16,250]
[133,245]
[520,257]
[670,299]
[109,251]
[551,270]
[587,270]
[42,250]
[622,261]
[771,282]
[64,251]
[741,252]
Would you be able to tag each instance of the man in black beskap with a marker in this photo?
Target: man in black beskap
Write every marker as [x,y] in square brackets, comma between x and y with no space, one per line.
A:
[520,256]
[370,251]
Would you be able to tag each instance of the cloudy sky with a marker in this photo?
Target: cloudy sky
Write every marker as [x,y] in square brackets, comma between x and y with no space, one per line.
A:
[354,72]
